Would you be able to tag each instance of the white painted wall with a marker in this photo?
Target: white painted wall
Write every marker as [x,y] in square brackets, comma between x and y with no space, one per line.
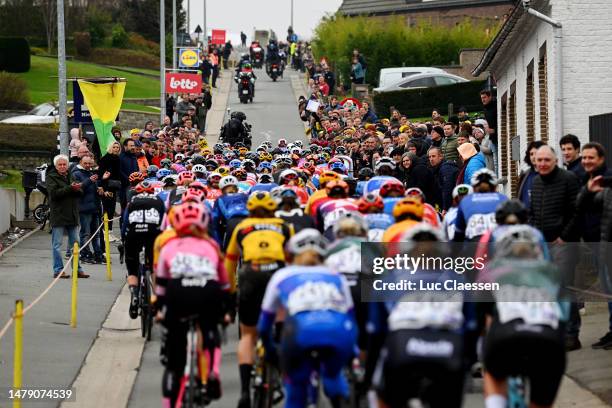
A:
[11,203]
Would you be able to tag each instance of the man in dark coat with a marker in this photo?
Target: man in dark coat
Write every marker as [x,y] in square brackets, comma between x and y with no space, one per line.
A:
[64,196]
[89,208]
[444,175]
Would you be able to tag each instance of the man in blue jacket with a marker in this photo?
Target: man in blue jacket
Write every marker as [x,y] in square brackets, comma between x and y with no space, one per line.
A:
[89,209]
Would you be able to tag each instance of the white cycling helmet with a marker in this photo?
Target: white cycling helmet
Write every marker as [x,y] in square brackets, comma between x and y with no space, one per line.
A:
[307,239]
[350,224]
[228,181]
[199,168]
[484,176]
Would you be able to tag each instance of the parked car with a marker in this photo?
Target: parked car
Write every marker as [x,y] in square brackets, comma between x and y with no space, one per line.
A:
[390,76]
[427,80]
[45,113]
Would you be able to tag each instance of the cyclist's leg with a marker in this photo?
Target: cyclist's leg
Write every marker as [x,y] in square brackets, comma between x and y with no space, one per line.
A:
[132,250]
[335,384]
[297,368]
[210,316]
[174,346]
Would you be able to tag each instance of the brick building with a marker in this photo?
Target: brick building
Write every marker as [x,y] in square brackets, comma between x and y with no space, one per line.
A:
[551,81]
[447,12]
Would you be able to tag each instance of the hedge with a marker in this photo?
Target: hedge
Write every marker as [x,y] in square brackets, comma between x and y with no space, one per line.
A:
[124,58]
[14,54]
[13,92]
[20,137]
[420,102]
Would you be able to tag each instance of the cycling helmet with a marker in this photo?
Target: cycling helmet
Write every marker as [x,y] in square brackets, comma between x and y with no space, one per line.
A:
[288,175]
[261,199]
[264,166]
[338,167]
[327,176]
[298,143]
[309,167]
[282,142]
[185,178]
[462,189]
[350,224]
[240,174]
[197,185]
[391,186]
[327,150]
[340,150]
[511,212]
[194,195]
[265,156]
[145,187]
[519,241]
[152,170]
[179,157]
[170,180]
[267,143]
[163,172]
[166,163]
[307,239]
[248,165]
[423,232]
[186,216]
[198,158]
[242,150]
[408,205]
[415,192]
[314,148]
[234,164]
[484,176]
[218,148]
[265,179]
[214,175]
[211,164]
[223,171]
[370,201]
[365,173]
[177,168]
[385,161]
[136,177]
[198,168]
[337,186]
[228,181]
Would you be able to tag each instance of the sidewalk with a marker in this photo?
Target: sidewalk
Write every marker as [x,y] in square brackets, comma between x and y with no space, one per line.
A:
[53,352]
[216,114]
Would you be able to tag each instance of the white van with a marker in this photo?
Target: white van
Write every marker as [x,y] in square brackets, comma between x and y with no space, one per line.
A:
[389,76]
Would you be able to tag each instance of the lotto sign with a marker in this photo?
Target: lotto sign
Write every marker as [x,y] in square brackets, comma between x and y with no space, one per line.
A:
[218,37]
[178,82]
[189,57]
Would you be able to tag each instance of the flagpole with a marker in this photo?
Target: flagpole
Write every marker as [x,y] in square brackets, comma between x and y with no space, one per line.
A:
[61,73]
[162,59]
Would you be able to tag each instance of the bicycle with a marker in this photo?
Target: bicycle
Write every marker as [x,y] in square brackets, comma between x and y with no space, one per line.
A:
[191,393]
[145,308]
[267,385]
[42,211]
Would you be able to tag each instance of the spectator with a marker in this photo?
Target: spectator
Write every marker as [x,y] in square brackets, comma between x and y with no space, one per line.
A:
[420,176]
[490,111]
[206,67]
[227,51]
[472,162]
[109,174]
[449,143]
[552,210]
[444,176]
[64,211]
[183,105]
[128,164]
[76,141]
[357,72]
[463,114]
[89,209]
[116,133]
[594,225]
[243,38]
[526,177]
[171,105]
[570,150]
[330,79]
[214,59]
[437,134]
[479,132]
[323,86]
[360,59]
[141,158]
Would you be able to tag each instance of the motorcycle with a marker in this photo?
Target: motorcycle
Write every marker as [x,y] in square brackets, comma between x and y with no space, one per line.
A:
[275,71]
[257,57]
[245,87]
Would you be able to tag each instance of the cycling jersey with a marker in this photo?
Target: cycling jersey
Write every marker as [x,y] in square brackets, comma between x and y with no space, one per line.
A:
[395,231]
[330,211]
[296,218]
[161,240]
[448,224]
[476,215]
[226,207]
[375,183]
[344,256]
[143,216]
[263,187]
[377,225]
[313,201]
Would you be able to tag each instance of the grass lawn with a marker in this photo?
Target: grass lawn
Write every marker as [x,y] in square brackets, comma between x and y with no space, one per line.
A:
[140,108]
[12,179]
[42,79]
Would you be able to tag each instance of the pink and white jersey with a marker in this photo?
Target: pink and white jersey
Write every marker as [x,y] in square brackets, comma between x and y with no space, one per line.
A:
[194,261]
[332,210]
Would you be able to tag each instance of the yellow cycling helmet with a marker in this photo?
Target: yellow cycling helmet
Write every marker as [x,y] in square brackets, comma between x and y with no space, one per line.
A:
[261,199]
[243,150]
[408,205]
[223,171]
[326,177]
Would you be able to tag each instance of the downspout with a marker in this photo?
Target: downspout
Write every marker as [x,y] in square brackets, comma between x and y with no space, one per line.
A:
[558,50]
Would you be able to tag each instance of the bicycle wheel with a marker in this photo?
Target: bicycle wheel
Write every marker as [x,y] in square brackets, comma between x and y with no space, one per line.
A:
[144,303]
[190,401]
[40,213]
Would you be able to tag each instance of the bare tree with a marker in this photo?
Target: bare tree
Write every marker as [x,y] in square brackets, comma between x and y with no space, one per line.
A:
[48,9]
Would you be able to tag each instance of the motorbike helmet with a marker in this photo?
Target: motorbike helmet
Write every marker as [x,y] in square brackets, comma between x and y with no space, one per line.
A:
[145,187]
[408,206]
[136,177]
[228,181]
[484,176]
[163,172]
[307,239]
[365,173]
[261,199]
[186,216]
[511,212]
[391,186]
[247,65]
[244,56]
[185,177]
[370,201]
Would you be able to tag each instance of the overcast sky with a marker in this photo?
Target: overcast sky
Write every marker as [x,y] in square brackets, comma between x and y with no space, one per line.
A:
[237,15]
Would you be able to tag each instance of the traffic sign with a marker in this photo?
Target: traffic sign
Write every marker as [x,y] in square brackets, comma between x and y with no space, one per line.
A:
[189,57]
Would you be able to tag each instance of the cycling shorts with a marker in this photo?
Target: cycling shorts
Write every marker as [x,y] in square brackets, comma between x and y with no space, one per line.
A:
[361,316]
[134,244]
[180,302]
[426,364]
[534,351]
[252,282]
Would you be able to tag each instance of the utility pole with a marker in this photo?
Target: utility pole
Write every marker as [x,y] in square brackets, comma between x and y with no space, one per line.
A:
[205,40]
[174,49]
[188,32]
[162,59]
[292,15]
[61,73]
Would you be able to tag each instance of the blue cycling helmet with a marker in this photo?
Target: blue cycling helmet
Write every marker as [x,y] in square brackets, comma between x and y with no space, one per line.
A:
[264,165]
[161,173]
[338,167]
[235,164]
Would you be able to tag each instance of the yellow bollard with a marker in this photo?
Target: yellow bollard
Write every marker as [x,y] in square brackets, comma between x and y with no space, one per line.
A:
[75,284]
[18,356]
[109,272]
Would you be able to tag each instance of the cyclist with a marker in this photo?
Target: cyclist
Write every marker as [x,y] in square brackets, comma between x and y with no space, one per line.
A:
[372,207]
[525,335]
[333,206]
[448,223]
[190,279]
[229,210]
[324,178]
[258,243]
[319,331]
[290,211]
[408,212]
[141,224]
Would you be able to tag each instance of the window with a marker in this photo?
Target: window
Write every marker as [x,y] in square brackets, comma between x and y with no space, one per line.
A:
[530,103]
[442,80]
[407,74]
[427,82]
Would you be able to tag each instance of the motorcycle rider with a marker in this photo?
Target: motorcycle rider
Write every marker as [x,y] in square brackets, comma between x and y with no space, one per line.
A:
[272,56]
[245,67]
[235,131]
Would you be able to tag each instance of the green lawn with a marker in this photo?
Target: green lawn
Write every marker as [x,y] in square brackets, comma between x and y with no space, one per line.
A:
[12,180]
[42,79]
[140,108]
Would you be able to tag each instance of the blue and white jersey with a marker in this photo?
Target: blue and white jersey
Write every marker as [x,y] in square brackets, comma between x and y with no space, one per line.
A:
[360,187]
[307,289]
[476,214]
[389,204]
[448,224]
[377,225]
[263,187]
[375,183]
